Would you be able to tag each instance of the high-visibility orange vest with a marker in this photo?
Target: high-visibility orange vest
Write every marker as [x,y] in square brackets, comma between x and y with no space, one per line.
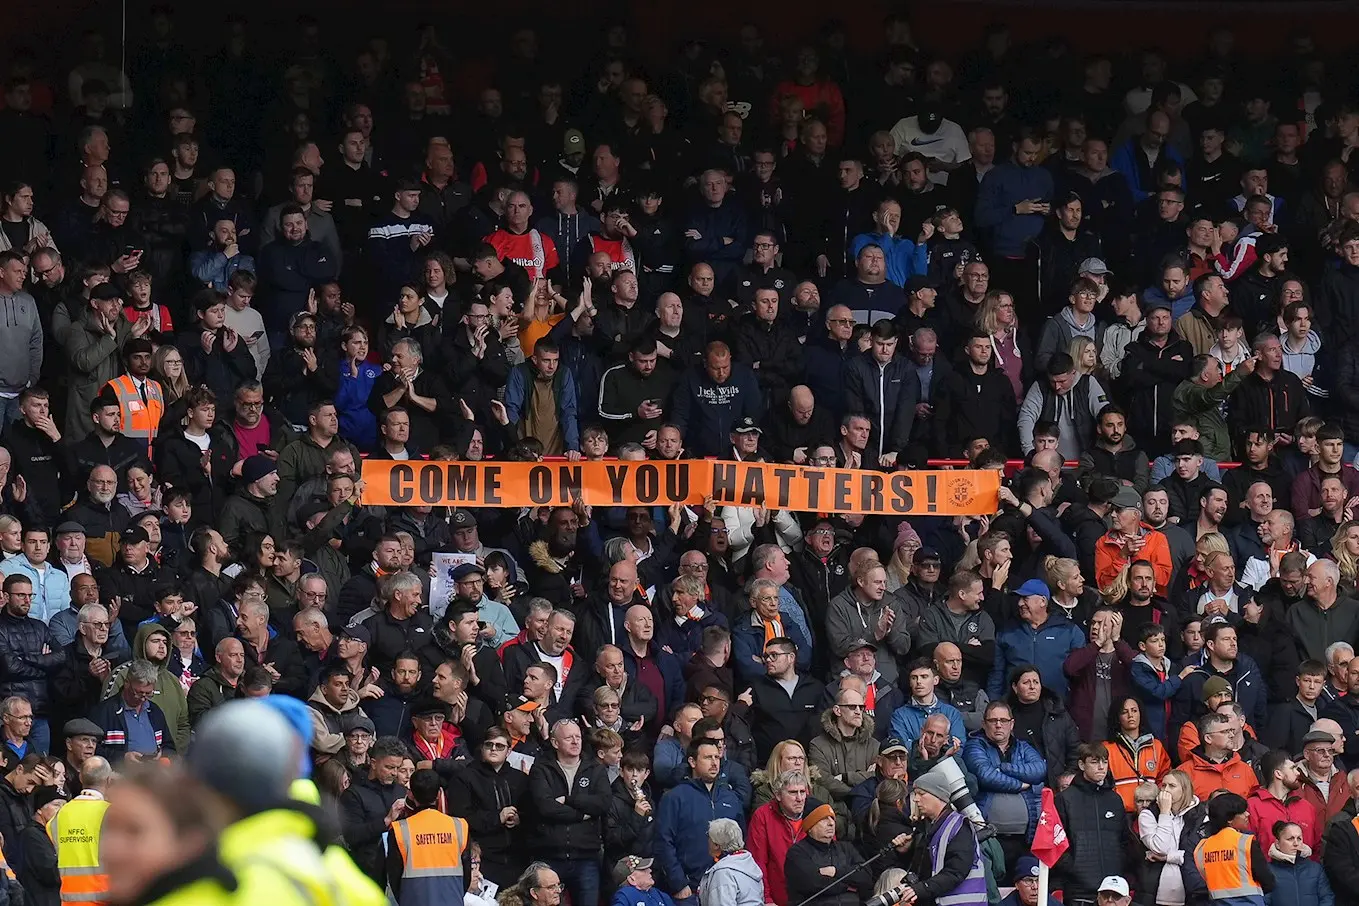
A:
[431,846]
[1127,769]
[74,830]
[1224,861]
[141,419]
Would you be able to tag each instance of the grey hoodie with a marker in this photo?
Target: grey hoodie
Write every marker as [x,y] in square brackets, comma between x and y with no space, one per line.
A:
[1304,361]
[1060,330]
[735,880]
[20,342]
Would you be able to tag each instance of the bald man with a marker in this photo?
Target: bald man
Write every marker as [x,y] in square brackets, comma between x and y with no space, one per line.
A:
[963,694]
[793,430]
[650,666]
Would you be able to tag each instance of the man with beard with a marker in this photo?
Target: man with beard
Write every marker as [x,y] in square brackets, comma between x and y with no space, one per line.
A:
[1276,800]
[763,273]
[1142,606]
[881,698]
[290,268]
[962,622]
[102,517]
[550,671]
[559,561]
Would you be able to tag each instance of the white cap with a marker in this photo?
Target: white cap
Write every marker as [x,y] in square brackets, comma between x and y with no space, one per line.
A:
[1114,884]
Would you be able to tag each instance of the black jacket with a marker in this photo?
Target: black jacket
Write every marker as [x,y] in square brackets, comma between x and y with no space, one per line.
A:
[391,637]
[887,395]
[774,351]
[802,871]
[137,590]
[179,464]
[75,691]
[1096,825]
[625,831]
[363,813]
[967,405]
[478,794]
[39,459]
[1049,728]
[1342,858]
[776,716]
[1275,651]
[783,435]
[1337,303]
[1146,386]
[1276,404]
[16,813]
[285,657]
[573,828]
[293,389]
[38,872]
[25,669]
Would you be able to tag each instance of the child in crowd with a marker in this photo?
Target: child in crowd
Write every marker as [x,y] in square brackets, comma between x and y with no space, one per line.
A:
[1231,349]
[139,303]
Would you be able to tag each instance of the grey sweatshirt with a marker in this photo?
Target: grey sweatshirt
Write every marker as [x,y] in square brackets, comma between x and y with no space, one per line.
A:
[20,342]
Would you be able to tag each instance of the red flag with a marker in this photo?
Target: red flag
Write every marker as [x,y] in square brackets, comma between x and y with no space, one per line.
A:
[1049,841]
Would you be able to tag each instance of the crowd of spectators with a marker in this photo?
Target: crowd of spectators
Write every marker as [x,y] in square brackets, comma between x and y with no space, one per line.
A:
[1131,285]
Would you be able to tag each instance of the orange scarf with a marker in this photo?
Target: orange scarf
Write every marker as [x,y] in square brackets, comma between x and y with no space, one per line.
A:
[773,629]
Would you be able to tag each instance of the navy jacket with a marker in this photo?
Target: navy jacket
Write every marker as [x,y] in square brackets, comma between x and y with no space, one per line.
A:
[287,272]
[999,775]
[705,410]
[1046,647]
[682,830]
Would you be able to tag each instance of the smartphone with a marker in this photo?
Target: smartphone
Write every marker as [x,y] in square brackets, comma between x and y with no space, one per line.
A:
[257,334]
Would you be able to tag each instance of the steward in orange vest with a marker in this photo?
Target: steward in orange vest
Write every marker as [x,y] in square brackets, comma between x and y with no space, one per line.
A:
[141,400]
[1229,864]
[1132,761]
[425,851]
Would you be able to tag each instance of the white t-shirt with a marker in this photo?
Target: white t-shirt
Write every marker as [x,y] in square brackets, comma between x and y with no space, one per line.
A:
[947,144]
[202,441]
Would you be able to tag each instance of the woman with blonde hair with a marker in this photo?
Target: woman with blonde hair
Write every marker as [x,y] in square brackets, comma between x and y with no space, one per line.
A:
[1345,552]
[1160,829]
[1070,597]
[903,555]
[1195,572]
[11,537]
[1011,350]
[1085,354]
[788,755]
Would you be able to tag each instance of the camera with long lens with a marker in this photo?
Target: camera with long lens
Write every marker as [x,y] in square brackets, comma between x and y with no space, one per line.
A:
[960,797]
[892,896]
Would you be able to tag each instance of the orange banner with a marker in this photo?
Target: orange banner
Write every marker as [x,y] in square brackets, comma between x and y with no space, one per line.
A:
[661,483]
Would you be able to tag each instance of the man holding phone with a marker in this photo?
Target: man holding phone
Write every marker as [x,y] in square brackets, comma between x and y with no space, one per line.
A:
[214,266]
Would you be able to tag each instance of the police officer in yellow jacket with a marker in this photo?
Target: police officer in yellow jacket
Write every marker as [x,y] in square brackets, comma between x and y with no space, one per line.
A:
[425,850]
[1228,864]
[75,830]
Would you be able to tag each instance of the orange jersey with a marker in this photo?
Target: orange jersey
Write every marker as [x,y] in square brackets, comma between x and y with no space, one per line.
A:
[532,251]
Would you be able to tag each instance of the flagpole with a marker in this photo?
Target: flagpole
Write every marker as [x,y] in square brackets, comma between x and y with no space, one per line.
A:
[1042,883]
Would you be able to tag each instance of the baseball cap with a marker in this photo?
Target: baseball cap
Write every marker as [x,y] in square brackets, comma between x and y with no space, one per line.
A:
[1092,266]
[353,722]
[929,119]
[1034,587]
[747,426]
[358,633]
[1026,867]
[927,553]
[463,519]
[134,535]
[315,508]
[892,745]
[916,282]
[524,704]
[467,569]
[106,292]
[862,643]
[1114,884]
[573,142]
[627,865]
[1150,305]
[1127,499]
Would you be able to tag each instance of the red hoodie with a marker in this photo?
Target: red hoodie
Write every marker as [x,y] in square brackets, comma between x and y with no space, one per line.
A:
[1265,809]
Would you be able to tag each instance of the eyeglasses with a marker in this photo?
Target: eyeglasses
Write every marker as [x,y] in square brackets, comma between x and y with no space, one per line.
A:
[245,405]
[850,707]
[774,655]
[183,632]
[708,699]
[559,886]
[98,625]
[999,721]
[840,321]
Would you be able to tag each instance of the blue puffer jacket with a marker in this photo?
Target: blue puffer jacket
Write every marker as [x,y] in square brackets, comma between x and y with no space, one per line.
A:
[908,720]
[1301,882]
[682,830]
[1045,647]
[995,775]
